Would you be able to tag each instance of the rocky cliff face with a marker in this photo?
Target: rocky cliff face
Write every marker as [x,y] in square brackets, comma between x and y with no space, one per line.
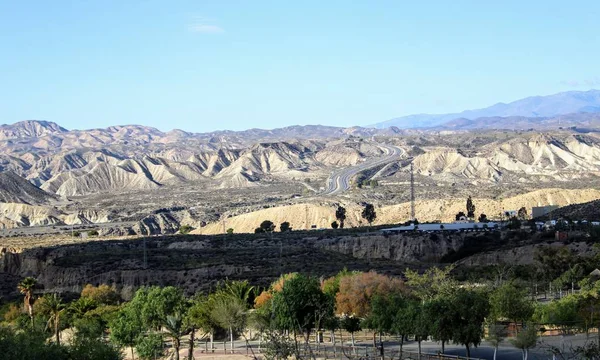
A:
[196,262]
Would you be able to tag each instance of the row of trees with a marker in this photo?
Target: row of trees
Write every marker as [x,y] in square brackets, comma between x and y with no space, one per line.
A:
[286,314]
[470,213]
[368,213]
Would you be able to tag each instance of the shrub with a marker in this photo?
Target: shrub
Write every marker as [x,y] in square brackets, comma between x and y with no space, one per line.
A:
[185,229]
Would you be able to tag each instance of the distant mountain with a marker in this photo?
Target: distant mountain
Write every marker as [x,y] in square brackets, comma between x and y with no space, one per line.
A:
[29,128]
[532,107]
[47,134]
[579,120]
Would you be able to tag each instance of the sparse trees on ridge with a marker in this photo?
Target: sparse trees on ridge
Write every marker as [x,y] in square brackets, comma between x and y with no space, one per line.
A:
[369,213]
[285,227]
[340,215]
[470,208]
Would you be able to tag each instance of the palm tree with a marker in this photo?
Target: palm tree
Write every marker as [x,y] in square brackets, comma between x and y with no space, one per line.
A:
[230,313]
[26,287]
[241,290]
[175,328]
[54,307]
[82,306]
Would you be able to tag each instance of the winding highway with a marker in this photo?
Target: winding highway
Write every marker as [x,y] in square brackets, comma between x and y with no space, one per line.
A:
[339,180]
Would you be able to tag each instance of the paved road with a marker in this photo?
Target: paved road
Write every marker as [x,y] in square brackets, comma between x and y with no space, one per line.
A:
[484,352]
[339,180]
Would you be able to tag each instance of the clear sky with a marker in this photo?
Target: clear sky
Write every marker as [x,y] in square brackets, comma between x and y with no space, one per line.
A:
[207,65]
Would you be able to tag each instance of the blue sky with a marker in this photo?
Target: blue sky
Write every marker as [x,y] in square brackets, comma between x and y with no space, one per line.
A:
[207,65]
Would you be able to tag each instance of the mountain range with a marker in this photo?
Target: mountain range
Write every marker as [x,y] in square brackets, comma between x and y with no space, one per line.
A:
[570,102]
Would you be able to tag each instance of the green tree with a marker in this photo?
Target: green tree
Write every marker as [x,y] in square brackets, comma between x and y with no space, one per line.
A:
[126,328]
[369,213]
[29,345]
[267,226]
[418,325]
[553,261]
[334,225]
[438,314]
[563,313]
[301,305]
[53,307]
[285,227]
[149,347]
[526,339]
[102,294]
[470,309]
[383,308]
[88,327]
[199,315]
[483,218]
[26,287]
[351,324]
[570,277]
[154,304]
[93,349]
[331,286]
[402,318]
[340,215]
[511,303]
[470,208]
[433,282]
[230,231]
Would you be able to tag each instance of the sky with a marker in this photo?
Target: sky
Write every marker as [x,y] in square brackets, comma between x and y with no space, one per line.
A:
[208,65]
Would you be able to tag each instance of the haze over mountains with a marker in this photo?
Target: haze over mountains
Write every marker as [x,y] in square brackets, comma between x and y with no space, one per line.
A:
[570,102]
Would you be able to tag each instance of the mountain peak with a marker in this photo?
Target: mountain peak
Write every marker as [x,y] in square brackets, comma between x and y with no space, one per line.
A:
[29,129]
[534,106]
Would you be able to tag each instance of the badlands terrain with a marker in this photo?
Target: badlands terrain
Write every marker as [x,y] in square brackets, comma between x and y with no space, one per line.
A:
[110,205]
[136,180]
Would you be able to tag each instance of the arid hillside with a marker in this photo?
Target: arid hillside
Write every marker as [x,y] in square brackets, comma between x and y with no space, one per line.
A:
[145,181]
[302,216]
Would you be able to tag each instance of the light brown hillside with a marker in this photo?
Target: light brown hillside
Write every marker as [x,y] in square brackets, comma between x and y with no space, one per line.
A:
[429,210]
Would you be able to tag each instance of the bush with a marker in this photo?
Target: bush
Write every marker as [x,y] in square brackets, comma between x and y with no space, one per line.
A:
[149,347]
[94,349]
[185,229]
[93,233]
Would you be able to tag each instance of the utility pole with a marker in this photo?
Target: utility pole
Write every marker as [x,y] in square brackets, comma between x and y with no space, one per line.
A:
[223,222]
[412,193]
[145,255]
[306,216]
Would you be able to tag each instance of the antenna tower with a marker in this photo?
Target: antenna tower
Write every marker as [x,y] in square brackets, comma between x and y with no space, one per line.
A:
[412,193]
